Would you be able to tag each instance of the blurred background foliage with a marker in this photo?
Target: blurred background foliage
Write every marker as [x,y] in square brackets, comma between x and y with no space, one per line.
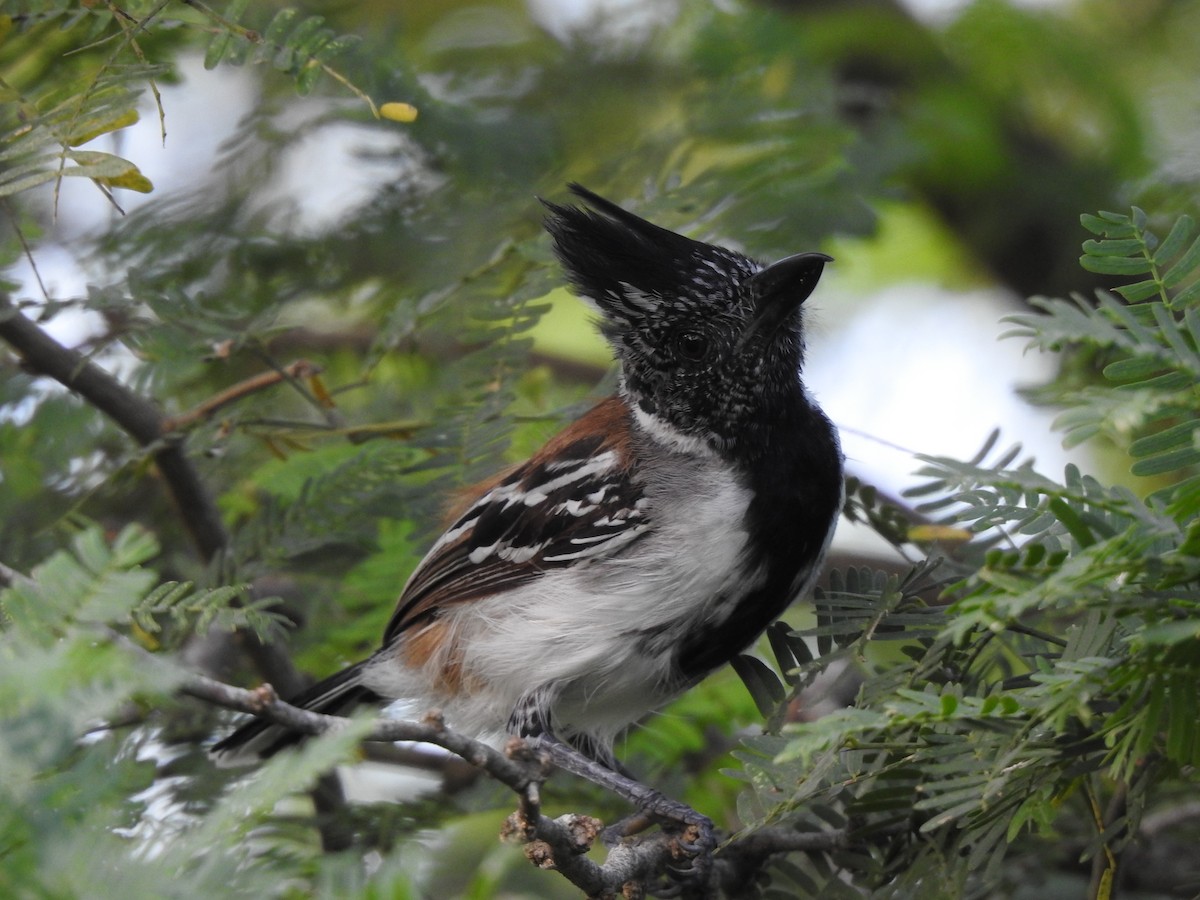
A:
[391,279]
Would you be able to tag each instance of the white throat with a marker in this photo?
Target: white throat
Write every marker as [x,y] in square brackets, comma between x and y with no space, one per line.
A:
[669,436]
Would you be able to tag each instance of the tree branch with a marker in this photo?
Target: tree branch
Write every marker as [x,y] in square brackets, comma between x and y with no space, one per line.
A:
[134,414]
[263,701]
[142,421]
[559,844]
[301,368]
[562,843]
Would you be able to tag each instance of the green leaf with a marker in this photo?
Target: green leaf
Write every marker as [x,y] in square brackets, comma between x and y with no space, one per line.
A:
[1122,248]
[763,684]
[1113,225]
[1181,435]
[1187,298]
[216,49]
[1167,383]
[1176,238]
[308,77]
[308,37]
[1139,291]
[1115,265]
[1170,633]
[104,122]
[1185,266]
[1073,522]
[1133,369]
[279,27]
[133,546]
[336,47]
[1166,462]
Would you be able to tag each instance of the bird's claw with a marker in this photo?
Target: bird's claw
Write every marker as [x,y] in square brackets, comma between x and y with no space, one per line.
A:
[705,840]
[694,846]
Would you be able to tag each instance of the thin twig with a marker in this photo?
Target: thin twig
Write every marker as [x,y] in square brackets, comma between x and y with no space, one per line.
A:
[301,368]
[330,413]
[523,767]
[263,701]
[559,844]
[25,249]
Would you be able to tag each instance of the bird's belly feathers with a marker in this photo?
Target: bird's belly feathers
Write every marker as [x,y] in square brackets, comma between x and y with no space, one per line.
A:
[592,642]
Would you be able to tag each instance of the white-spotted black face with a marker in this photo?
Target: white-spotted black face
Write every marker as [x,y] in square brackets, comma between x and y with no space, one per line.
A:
[704,336]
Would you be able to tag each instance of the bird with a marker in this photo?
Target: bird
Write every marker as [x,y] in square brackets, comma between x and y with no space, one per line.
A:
[645,545]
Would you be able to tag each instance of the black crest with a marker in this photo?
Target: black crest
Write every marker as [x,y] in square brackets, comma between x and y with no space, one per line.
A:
[613,257]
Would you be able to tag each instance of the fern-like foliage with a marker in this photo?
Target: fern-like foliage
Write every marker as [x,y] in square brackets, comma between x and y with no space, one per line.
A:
[113,52]
[43,132]
[183,611]
[95,799]
[98,584]
[298,45]
[1048,689]
[1152,342]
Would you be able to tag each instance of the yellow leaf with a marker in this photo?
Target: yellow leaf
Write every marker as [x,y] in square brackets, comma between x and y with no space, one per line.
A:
[399,112]
[103,125]
[133,180]
[107,169]
[921,534]
[321,392]
[145,638]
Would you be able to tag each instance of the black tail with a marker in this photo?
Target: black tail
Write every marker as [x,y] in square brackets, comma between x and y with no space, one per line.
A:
[260,738]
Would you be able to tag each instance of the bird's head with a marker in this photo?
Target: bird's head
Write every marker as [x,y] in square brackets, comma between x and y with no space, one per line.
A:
[709,341]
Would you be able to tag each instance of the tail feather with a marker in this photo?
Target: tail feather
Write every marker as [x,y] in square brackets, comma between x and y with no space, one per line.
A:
[259,739]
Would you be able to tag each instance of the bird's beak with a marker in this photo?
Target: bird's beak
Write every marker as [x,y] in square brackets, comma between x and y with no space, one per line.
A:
[780,288]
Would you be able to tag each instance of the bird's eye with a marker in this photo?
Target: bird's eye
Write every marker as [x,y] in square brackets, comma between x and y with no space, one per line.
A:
[692,346]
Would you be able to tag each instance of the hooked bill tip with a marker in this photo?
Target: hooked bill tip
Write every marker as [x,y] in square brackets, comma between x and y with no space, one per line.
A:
[798,273]
[781,288]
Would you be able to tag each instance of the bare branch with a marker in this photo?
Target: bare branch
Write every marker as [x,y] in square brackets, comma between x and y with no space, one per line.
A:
[560,844]
[301,368]
[11,577]
[133,413]
[263,701]
[142,420]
